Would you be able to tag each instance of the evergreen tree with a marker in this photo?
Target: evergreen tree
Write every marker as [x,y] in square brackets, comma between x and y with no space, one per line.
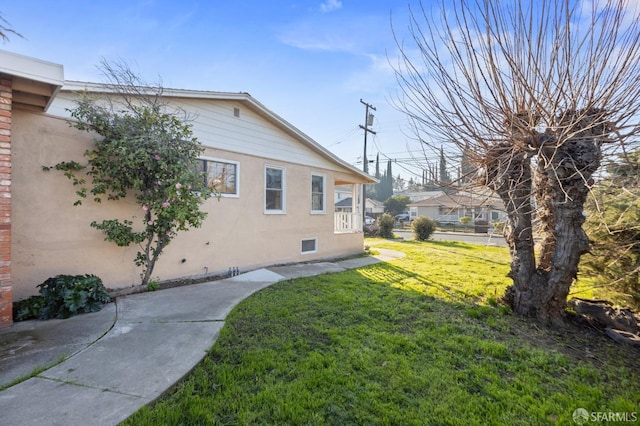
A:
[613,226]
[444,175]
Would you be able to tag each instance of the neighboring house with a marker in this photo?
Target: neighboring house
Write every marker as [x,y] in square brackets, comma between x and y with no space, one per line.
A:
[422,195]
[449,208]
[374,208]
[341,192]
[257,152]
[345,205]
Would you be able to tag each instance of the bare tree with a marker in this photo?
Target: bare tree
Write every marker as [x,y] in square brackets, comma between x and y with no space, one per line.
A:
[5,30]
[535,92]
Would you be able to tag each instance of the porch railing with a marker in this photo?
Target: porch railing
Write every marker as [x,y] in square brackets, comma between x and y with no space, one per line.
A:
[347,222]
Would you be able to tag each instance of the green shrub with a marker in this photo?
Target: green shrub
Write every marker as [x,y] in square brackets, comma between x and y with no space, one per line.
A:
[28,308]
[385,224]
[423,228]
[63,296]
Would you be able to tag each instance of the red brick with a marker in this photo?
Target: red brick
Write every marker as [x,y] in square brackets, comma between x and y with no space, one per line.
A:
[5,294]
[6,311]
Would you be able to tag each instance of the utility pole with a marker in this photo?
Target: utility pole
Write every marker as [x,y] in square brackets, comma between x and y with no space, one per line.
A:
[368,121]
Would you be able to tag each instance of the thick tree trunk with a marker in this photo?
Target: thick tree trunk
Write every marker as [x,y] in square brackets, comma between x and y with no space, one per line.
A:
[509,174]
[562,180]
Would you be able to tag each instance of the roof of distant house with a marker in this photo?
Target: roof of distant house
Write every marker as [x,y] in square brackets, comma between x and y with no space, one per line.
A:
[345,202]
[457,200]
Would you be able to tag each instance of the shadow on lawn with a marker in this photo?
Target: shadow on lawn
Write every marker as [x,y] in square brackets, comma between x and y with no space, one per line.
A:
[443,245]
[387,273]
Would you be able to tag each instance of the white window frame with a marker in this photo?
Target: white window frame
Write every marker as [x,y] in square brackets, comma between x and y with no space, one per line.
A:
[223,160]
[284,190]
[324,193]
[315,250]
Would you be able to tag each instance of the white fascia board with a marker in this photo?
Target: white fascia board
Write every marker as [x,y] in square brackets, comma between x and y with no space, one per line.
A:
[31,68]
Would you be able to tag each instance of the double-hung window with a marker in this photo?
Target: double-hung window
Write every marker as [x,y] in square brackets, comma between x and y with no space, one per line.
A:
[317,194]
[274,194]
[220,176]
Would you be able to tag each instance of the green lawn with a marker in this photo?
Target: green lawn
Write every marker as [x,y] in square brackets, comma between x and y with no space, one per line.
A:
[417,341]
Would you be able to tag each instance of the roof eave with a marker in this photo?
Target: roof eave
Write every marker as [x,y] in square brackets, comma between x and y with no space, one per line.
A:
[236,96]
[35,82]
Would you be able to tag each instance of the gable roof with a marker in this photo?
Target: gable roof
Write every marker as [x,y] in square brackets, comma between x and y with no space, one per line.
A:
[457,200]
[375,202]
[242,97]
[345,202]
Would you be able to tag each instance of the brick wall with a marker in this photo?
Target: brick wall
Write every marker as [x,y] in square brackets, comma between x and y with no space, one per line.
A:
[6,294]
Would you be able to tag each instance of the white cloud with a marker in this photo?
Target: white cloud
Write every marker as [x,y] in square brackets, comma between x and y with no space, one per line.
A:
[330,6]
[320,36]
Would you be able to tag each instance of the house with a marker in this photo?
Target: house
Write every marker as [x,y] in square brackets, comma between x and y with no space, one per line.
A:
[373,208]
[449,208]
[341,192]
[421,195]
[42,234]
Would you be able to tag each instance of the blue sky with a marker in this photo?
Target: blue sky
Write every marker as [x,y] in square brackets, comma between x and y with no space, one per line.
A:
[310,61]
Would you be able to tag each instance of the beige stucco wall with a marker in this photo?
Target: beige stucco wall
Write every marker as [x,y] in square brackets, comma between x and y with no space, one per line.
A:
[51,236]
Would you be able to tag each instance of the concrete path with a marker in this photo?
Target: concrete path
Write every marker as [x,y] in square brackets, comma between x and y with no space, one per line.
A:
[106,365]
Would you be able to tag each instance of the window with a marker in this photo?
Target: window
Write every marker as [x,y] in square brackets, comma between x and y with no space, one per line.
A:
[317,194]
[220,176]
[274,195]
[309,246]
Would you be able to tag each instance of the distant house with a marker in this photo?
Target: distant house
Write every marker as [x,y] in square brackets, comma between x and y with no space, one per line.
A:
[341,192]
[421,195]
[450,208]
[42,234]
[345,205]
[374,208]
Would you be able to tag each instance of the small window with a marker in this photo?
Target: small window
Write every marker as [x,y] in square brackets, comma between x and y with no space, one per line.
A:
[274,190]
[317,194]
[309,246]
[220,176]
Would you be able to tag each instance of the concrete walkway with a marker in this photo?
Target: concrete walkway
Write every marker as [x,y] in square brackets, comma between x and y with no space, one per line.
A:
[106,365]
